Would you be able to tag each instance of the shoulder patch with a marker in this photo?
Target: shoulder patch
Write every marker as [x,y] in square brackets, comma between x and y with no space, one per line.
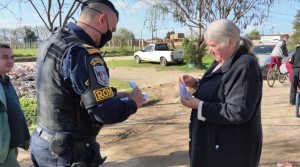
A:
[101,75]
[95,61]
[94,51]
[91,50]
[103,93]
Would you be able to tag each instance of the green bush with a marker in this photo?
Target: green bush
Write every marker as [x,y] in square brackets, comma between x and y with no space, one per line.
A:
[29,107]
[189,53]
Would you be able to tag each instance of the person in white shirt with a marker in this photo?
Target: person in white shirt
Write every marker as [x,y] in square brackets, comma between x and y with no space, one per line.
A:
[278,52]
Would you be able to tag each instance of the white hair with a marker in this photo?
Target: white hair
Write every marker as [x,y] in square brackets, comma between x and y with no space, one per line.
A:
[222,30]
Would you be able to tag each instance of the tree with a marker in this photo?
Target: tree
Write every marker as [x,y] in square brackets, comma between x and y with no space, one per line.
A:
[253,33]
[15,37]
[196,14]
[123,37]
[30,36]
[189,51]
[52,13]
[296,27]
[42,33]
[169,34]
[151,21]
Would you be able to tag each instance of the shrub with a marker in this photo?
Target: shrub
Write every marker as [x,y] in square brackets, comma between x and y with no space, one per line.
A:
[29,107]
[189,53]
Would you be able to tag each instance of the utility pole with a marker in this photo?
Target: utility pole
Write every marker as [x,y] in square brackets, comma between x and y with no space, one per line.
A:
[142,40]
[152,33]
[131,37]
[37,31]
[16,38]
[156,32]
[4,35]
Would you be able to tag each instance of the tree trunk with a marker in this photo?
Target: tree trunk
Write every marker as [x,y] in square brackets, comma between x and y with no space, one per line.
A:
[201,52]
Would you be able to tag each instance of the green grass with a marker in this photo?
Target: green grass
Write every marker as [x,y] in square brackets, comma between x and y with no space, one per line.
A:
[207,60]
[31,51]
[110,52]
[119,84]
[26,55]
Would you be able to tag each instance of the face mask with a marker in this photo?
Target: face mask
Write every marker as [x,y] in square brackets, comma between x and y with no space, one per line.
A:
[105,38]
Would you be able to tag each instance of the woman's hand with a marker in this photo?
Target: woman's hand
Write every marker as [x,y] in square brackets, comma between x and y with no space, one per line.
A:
[189,81]
[190,102]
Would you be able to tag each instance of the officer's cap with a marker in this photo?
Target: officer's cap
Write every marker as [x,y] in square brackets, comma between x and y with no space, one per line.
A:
[105,2]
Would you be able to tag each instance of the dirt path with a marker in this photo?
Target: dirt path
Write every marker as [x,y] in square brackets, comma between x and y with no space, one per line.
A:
[157,135]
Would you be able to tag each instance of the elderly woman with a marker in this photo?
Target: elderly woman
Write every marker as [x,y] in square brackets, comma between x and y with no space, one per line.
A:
[225,127]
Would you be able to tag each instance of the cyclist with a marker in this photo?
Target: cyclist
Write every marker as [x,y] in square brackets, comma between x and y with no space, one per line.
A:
[279,51]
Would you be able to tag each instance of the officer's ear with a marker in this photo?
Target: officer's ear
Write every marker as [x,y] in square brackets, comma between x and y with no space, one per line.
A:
[102,18]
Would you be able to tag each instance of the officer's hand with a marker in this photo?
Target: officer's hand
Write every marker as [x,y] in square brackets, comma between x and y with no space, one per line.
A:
[137,96]
[122,94]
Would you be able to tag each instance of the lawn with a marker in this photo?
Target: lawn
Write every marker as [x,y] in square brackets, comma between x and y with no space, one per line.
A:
[26,55]
[207,60]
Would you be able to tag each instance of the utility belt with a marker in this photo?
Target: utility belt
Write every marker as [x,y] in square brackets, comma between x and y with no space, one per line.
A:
[60,143]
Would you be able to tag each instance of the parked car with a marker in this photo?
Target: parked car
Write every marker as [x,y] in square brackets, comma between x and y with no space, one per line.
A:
[291,52]
[263,54]
[159,52]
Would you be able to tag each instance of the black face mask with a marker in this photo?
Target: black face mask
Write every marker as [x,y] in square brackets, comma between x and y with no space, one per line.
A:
[105,37]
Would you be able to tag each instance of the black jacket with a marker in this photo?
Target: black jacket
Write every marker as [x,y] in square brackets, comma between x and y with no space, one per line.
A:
[295,59]
[232,133]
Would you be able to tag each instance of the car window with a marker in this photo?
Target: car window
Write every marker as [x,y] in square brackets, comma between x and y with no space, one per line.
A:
[263,49]
[161,47]
[148,49]
[291,52]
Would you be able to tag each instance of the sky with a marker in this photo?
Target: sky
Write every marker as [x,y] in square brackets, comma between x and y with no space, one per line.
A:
[133,14]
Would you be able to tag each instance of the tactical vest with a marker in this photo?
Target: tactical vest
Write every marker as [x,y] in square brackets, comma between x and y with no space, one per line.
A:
[59,106]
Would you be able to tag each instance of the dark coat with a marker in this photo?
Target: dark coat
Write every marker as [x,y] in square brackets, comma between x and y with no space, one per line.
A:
[231,136]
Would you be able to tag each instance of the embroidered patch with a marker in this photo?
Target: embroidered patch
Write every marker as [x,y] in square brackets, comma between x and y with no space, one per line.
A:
[87,83]
[101,75]
[95,61]
[103,93]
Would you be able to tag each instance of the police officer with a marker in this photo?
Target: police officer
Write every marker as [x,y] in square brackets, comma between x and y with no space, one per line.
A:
[295,61]
[73,93]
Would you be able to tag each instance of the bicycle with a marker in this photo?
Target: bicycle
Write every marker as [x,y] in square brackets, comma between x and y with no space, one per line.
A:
[273,74]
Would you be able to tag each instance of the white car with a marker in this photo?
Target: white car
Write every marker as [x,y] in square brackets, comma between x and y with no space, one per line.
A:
[159,52]
[263,54]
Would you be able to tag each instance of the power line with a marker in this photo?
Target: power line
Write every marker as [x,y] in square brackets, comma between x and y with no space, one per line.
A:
[281,13]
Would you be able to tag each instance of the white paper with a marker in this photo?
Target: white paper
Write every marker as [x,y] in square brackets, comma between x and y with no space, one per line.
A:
[183,92]
[132,84]
[145,96]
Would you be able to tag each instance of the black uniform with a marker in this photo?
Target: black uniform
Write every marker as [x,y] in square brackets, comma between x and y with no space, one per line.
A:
[295,61]
[74,100]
